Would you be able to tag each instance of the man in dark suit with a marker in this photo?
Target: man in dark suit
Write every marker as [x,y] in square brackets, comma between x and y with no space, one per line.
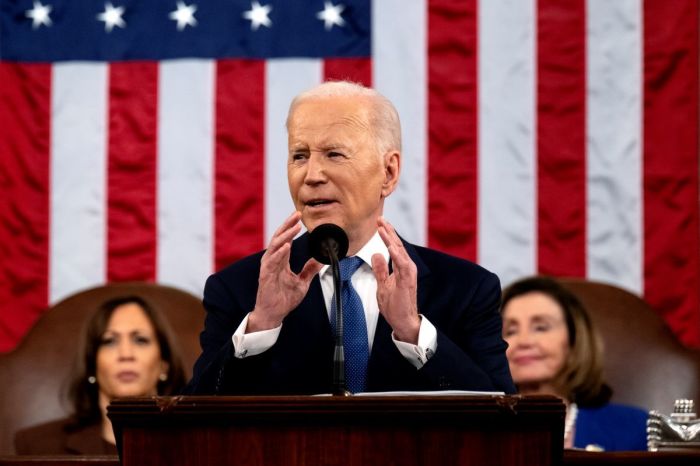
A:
[430,320]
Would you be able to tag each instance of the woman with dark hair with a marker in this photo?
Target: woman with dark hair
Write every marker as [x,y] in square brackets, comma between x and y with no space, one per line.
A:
[126,349]
[554,349]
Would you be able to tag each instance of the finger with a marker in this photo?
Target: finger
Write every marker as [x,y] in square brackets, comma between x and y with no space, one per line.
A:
[391,239]
[380,268]
[288,222]
[273,261]
[388,233]
[311,268]
[286,232]
[403,266]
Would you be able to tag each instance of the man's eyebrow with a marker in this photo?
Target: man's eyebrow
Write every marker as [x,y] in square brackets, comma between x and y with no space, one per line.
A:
[329,147]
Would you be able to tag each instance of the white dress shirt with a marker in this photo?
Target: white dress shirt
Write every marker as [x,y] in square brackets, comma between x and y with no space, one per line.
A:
[364,282]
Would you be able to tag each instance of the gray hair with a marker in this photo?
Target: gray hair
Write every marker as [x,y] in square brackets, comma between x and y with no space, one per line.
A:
[384,119]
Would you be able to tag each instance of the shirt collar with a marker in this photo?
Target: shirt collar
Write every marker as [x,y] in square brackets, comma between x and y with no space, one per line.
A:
[375,245]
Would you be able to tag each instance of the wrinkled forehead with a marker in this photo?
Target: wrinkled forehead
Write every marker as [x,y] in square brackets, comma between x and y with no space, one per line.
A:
[352,110]
[323,121]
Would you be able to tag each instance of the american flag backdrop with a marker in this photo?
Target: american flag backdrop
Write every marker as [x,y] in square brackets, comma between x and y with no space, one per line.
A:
[145,139]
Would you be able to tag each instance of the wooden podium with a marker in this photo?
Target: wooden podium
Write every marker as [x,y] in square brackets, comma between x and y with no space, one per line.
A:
[347,431]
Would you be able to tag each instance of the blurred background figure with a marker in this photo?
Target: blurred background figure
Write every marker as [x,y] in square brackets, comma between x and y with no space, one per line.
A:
[126,349]
[555,350]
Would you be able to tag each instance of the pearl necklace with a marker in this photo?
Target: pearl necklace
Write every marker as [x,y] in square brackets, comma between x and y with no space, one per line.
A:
[570,419]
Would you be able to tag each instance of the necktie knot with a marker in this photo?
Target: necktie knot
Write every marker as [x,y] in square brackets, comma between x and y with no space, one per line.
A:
[348,267]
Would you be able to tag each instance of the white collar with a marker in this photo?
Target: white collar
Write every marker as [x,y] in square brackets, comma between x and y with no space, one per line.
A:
[375,245]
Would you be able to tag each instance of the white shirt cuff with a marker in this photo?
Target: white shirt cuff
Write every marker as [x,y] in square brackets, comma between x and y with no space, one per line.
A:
[250,344]
[419,354]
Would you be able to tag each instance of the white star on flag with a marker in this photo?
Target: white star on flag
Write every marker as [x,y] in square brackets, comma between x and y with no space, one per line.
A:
[112,17]
[331,15]
[258,15]
[39,15]
[184,15]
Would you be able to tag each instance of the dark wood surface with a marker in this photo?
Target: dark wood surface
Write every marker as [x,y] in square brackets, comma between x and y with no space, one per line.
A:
[59,460]
[631,458]
[348,431]
[571,458]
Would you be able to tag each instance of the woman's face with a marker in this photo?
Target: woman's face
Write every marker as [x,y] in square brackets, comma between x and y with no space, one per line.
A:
[538,339]
[128,359]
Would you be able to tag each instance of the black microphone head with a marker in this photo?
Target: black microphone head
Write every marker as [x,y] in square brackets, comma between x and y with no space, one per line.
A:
[326,239]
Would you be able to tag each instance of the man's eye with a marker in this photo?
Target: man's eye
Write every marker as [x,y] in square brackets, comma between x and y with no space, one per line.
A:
[335,154]
[298,157]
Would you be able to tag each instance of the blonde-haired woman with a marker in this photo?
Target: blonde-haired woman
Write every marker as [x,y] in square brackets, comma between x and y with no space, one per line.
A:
[554,349]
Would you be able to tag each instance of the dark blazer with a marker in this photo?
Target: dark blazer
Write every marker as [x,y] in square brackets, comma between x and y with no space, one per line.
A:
[62,437]
[460,298]
[612,427]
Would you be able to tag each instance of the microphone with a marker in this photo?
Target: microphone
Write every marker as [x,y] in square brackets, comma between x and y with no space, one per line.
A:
[328,241]
[328,244]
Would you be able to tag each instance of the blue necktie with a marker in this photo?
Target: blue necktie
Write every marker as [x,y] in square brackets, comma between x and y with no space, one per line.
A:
[355,343]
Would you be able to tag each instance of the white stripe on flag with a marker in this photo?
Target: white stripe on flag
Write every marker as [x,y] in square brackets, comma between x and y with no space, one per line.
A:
[185,173]
[284,80]
[614,153]
[399,65]
[507,201]
[78,178]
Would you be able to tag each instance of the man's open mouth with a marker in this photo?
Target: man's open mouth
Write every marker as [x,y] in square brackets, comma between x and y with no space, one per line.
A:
[318,202]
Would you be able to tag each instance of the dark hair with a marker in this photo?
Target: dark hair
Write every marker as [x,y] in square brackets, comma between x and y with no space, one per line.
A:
[84,396]
[581,379]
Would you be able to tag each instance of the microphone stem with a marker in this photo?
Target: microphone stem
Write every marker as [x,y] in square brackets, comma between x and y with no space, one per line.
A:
[339,353]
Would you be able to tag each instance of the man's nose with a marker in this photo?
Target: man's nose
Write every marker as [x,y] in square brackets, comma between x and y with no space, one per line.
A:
[315,169]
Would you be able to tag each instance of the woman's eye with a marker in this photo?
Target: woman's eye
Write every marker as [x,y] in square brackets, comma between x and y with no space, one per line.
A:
[108,341]
[542,328]
[141,340]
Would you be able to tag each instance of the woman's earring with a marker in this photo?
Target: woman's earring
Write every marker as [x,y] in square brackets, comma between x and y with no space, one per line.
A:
[92,380]
[163,377]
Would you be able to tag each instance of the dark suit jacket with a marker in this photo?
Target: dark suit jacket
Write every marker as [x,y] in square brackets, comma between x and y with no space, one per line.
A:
[62,437]
[459,297]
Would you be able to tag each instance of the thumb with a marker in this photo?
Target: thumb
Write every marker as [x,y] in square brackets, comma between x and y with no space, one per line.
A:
[311,268]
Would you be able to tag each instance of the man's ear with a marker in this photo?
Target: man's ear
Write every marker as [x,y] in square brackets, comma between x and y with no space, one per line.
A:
[392,169]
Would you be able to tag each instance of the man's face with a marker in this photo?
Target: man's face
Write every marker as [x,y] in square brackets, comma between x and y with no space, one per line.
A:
[335,172]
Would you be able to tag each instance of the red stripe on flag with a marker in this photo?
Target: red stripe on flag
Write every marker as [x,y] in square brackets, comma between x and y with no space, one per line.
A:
[561,137]
[671,121]
[452,126]
[25,141]
[239,160]
[357,70]
[131,176]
